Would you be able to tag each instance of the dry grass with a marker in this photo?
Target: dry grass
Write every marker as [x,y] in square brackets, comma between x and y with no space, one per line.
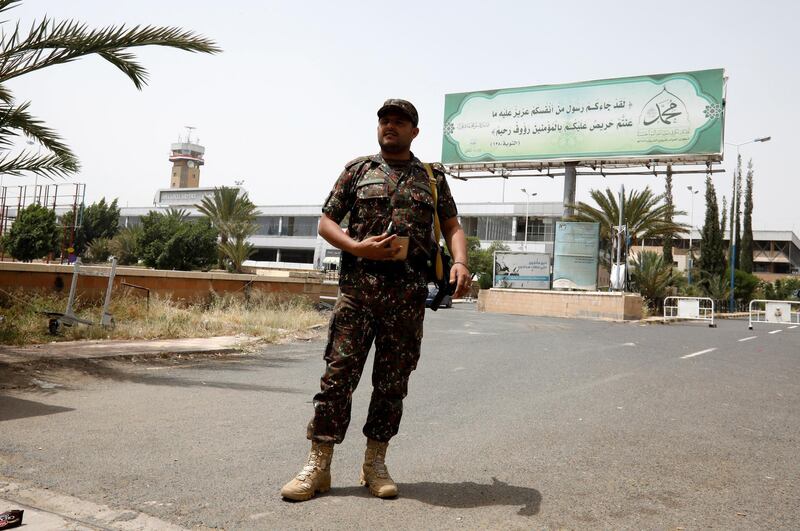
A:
[261,315]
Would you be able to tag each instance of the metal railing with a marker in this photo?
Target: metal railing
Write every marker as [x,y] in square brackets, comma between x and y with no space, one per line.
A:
[690,308]
[773,312]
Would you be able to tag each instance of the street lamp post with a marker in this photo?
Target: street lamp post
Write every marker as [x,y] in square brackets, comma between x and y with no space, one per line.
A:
[735,203]
[527,200]
[691,228]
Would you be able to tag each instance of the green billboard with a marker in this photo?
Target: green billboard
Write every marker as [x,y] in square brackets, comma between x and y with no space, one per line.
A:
[666,116]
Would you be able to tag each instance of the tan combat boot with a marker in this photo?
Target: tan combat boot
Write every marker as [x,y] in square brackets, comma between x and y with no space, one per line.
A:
[315,476]
[374,473]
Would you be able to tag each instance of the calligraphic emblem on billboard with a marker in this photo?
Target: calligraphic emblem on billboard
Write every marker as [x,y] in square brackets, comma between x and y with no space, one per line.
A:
[661,116]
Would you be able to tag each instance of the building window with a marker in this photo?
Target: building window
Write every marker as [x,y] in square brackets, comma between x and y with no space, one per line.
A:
[470,226]
[494,228]
[299,226]
[267,225]
[298,256]
[539,230]
[265,255]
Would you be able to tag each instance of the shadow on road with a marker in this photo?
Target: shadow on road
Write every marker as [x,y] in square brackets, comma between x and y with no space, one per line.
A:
[50,375]
[16,408]
[465,495]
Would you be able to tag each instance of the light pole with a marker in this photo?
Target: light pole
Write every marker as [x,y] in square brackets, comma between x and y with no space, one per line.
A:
[691,228]
[735,203]
[527,200]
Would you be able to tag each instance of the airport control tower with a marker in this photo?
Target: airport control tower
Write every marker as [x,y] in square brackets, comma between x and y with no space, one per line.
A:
[186,158]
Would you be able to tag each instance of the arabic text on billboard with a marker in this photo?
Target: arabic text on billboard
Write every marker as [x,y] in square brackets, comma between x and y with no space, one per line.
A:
[521,270]
[651,117]
[575,256]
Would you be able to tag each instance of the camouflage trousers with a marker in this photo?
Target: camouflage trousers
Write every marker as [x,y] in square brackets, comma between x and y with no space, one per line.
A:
[392,318]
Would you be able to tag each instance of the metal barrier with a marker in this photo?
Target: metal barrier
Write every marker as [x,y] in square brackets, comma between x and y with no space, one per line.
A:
[693,308]
[774,312]
[68,318]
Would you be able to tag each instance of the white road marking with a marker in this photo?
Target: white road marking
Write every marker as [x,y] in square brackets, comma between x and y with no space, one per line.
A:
[706,351]
[792,327]
[747,338]
[776,331]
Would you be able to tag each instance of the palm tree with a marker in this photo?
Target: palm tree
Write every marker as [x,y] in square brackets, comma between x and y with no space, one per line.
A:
[125,245]
[645,215]
[236,252]
[232,214]
[652,276]
[178,215]
[49,43]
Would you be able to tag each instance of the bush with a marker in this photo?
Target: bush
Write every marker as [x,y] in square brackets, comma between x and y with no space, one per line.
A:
[169,241]
[99,250]
[745,285]
[33,235]
[781,289]
[125,245]
[99,220]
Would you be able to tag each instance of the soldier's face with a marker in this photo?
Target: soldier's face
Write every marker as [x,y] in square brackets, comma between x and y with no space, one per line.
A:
[396,132]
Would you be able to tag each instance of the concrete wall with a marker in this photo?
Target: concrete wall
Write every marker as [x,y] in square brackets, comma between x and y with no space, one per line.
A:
[586,305]
[181,285]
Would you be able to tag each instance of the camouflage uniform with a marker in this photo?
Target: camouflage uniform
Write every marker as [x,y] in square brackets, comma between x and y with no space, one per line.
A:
[380,301]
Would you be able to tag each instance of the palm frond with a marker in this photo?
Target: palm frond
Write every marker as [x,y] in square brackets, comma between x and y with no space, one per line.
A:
[5,5]
[46,165]
[13,119]
[56,42]
[645,214]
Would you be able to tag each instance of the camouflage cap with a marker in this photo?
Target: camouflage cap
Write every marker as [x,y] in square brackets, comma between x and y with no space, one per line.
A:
[401,106]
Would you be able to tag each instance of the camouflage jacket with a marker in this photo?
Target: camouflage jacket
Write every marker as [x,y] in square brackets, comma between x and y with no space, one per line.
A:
[374,194]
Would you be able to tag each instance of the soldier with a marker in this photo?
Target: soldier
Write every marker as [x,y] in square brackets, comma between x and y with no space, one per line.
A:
[382,298]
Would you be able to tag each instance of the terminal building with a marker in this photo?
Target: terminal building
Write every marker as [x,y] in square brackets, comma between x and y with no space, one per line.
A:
[286,235]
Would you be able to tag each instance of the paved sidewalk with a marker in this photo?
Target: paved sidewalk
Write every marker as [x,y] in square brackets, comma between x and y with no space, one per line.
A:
[109,349]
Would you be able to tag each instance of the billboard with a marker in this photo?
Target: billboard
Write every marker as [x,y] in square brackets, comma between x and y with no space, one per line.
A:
[521,270]
[665,116]
[575,255]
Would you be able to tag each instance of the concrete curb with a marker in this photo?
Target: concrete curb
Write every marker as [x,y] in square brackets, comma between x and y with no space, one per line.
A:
[72,350]
[49,511]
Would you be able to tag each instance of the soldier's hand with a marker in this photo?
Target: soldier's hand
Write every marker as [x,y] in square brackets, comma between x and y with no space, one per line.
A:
[377,247]
[462,278]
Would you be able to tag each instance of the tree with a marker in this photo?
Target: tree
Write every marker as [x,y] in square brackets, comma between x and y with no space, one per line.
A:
[192,246]
[48,43]
[645,215]
[100,220]
[746,256]
[233,214]
[712,255]
[667,250]
[33,235]
[736,210]
[483,265]
[168,241]
[236,251]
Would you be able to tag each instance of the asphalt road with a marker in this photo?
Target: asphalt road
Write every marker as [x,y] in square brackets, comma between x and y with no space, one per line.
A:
[512,423]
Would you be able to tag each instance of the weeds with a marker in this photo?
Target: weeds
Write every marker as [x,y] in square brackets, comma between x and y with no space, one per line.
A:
[266,316]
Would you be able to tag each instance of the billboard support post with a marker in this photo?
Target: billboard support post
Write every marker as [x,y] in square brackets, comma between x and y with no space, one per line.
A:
[570,178]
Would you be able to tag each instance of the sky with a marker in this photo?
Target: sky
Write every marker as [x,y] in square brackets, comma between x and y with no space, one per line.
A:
[294,94]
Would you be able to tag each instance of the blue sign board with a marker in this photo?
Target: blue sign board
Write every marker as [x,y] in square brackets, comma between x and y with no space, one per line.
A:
[575,255]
